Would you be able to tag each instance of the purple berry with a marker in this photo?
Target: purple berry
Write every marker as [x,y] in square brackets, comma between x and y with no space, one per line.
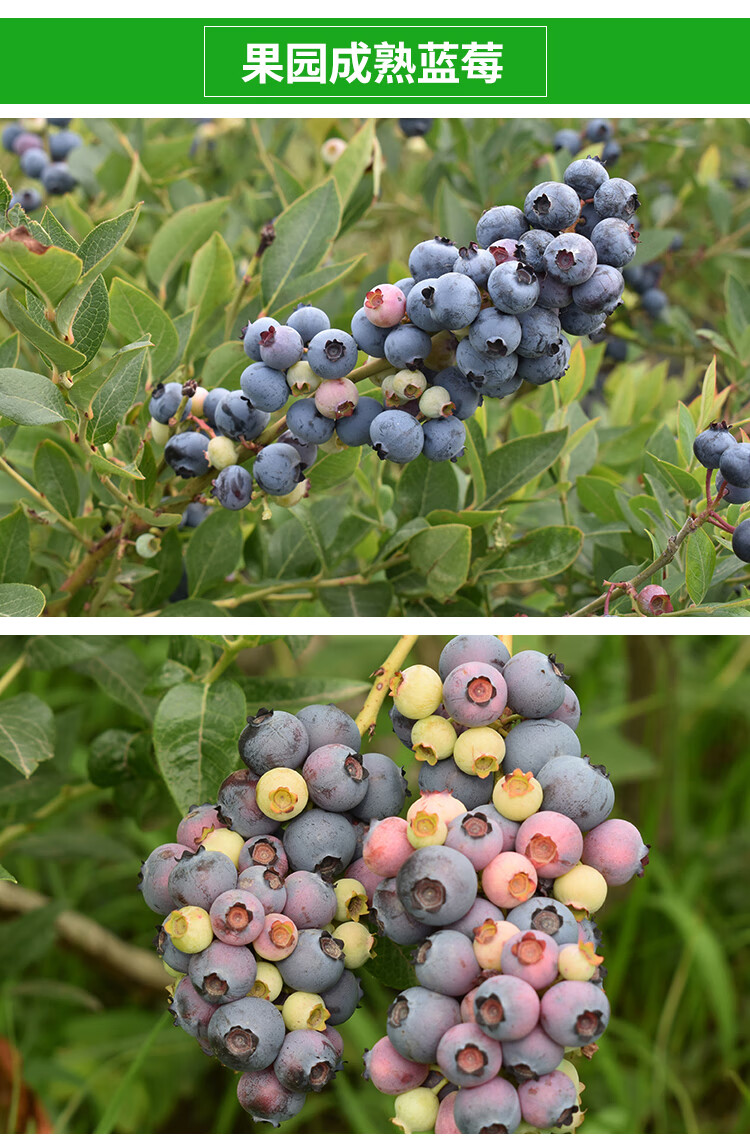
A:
[551,841]
[616,849]
[190,1011]
[437,885]
[531,956]
[492,1107]
[477,837]
[307,1062]
[246,1034]
[474,694]
[392,919]
[310,901]
[154,877]
[222,973]
[549,1102]
[265,884]
[532,1056]
[273,739]
[266,1100]
[506,1007]
[574,1013]
[390,1072]
[238,807]
[445,963]
[336,778]
[417,1020]
[198,878]
[237,917]
[468,1057]
[578,789]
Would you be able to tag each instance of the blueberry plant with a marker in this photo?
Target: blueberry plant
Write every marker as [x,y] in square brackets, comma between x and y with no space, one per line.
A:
[225,392]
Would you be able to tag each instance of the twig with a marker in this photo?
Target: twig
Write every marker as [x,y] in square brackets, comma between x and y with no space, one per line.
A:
[45,502]
[11,674]
[67,795]
[368,715]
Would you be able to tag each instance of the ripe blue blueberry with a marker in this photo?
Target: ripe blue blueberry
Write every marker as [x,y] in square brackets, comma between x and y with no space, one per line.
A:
[355,429]
[165,401]
[494,333]
[198,878]
[587,220]
[280,347]
[432,257]
[601,291]
[246,1034]
[396,436]
[475,263]
[455,302]
[736,495]
[505,222]
[28,198]
[578,789]
[654,302]
[342,1000]
[437,885]
[34,161]
[264,386]
[465,397]
[445,963]
[307,452]
[531,247]
[316,964]
[322,842]
[62,143]
[252,333]
[58,179]
[577,322]
[536,684]
[222,973]
[307,1061]
[417,1020]
[540,333]
[489,1108]
[513,287]
[332,353]
[210,403]
[385,792]
[444,439]
[59,123]
[445,776]
[618,198]
[472,648]
[545,368]
[420,303]
[531,744]
[741,540]
[552,205]
[277,469]
[237,418]
[328,725]
[615,241]
[307,424]
[407,347]
[368,337]
[567,139]
[273,739]
[571,258]
[392,919]
[308,321]
[233,487]
[412,128]
[238,807]
[585,176]
[735,464]
[611,152]
[336,777]
[598,130]
[546,915]
[186,454]
[491,374]
[10,134]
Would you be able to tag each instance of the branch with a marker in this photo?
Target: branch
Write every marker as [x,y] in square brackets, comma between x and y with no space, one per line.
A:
[40,498]
[368,715]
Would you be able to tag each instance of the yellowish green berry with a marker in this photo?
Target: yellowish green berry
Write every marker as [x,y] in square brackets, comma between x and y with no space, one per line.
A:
[304,1010]
[189,929]
[281,794]
[417,691]
[583,889]
[433,739]
[416,1110]
[479,751]
[351,899]
[357,941]
[517,795]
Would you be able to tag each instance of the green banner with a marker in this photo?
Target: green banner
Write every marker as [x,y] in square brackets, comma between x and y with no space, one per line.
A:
[570,61]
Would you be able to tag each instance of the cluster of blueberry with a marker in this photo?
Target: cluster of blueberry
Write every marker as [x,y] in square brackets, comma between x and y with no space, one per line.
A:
[494,875]
[42,159]
[718,450]
[509,299]
[261,897]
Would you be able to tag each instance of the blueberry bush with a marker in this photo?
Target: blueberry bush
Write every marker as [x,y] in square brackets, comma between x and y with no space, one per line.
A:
[110,747]
[238,375]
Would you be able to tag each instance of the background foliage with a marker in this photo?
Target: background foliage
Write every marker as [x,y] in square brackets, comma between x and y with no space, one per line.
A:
[563,487]
[92,788]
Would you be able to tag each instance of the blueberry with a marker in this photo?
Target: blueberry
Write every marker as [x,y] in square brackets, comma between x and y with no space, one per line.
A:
[238,807]
[280,347]
[385,792]
[368,337]
[741,540]
[265,884]
[491,1107]
[154,876]
[237,917]
[532,1056]
[611,152]
[332,353]
[654,302]
[328,725]
[211,403]
[566,139]
[432,257]
[618,198]
[266,850]
[62,143]
[615,848]
[578,789]
[10,134]
[531,247]
[475,263]
[321,842]
[165,401]
[468,1057]
[531,744]
[513,287]
[342,1000]
[578,322]
[587,220]
[391,918]
[419,306]
[198,878]
[396,436]
[307,1061]
[586,176]
[464,396]
[407,347]
[336,778]
[317,962]
[34,161]
[601,291]
[412,128]
[233,486]
[355,429]
[735,463]
[59,123]
[506,222]
[536,684]
[735,495]
[437,885]
[308,321]
[474,694]
[246,1034]
[455,301]
[472,648]
[266,1100]
[273,739]
[252,333]
[186,454]
[549,1102]
[570,710]
[571,258]
[308,452]
[494,333]
[265,387]
[197,823]
[237,418]
[552,205]
[444,439]
[574,1013]
[615,241]
[546,915]
[306,424]
[405,284]
[417,1020]
[447,777]
[310,901]
[277,469]
[28,198]
[23,141]
[58,179]
[598,130]
[545,368]
[540,333]
[190,1011]
[506,1007]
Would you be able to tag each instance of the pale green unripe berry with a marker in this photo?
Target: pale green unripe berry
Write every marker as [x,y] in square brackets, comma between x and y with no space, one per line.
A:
[172,973]
[189,929]
[197,401]
[408,385]
[416,1110]
[304,1010]
[578,962]
[517,795]
[357,941]
[436,403]
[444,804]
[222,452]
[479,751]
[301,379]
[426,829]
[390,397]
[269,982]
[417,691]
[281,794]
[224,841]
[351,899]
[160,433]
[301,490]
[570,1070]
[489,939]
[433,739]
[332,150]
[582,889]
[147,545]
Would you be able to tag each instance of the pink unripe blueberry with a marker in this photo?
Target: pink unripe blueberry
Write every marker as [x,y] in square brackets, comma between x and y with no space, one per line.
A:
[265,850]
[390,1072]
[582,888]
[578,962]
[237,917]
[197,823]
[574,1013]
[444,804]
[549,1102]
[551,841]
[336,398]
[154,876]
[476,836]
[616,849]
[445,1125]
[475,694]
[532,956]
[517,795]
[263,1096]
[386,846]
[489,940]
[509,880]
[417,691]
[278,938]
[467,1056]
[655,601]
[385,305]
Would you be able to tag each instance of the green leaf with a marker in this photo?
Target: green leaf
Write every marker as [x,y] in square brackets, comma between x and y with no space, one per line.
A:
[30,399]
[599,497]
[285,693]
[115,386]
[455,217]
[96,252]
[224,366]
[214,551]
[118,755]
[540,554]
[62,355]
[27,732]
[371,601]
[5,196]
[49,272]
[15,550]
[19,601]
[6,876]
[10,349]
[121,469]
[652,243]
[120,674]
[134,312]
[179,238]
[700,563]
[353,162]
[442,555]
[331,470]
[55,477]
[512,466]
[209,289]
[677,477]
[390,966]
[196,728]
[51,652]
[425,486]
[92,320]
[304,233]
[305,287]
